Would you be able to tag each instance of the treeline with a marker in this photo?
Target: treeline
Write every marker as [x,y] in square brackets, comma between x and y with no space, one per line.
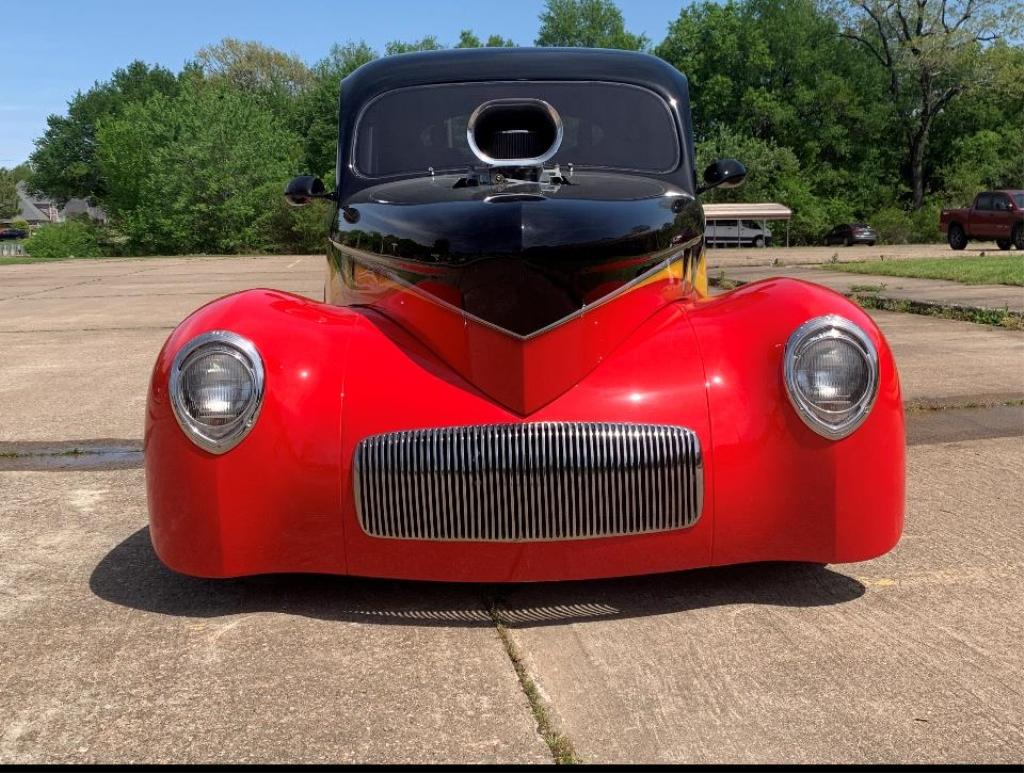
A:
[880,111]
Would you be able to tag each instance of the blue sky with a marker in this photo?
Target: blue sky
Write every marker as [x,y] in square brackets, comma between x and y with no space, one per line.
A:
[53,49]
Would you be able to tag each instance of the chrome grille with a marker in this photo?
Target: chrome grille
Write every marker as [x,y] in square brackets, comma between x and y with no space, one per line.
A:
[528,482]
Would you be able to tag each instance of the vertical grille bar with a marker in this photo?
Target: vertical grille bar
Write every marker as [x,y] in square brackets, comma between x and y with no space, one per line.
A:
[528,482]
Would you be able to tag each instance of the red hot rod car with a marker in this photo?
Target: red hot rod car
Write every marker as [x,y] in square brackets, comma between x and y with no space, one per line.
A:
[517,372]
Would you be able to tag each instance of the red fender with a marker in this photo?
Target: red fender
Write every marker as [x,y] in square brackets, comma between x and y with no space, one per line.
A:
[781,490]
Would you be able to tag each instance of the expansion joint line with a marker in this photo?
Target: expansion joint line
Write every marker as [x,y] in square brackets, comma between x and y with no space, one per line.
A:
[562,751]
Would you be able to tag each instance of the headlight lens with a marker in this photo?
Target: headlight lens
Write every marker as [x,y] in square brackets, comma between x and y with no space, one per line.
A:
[216,389]
[831,371]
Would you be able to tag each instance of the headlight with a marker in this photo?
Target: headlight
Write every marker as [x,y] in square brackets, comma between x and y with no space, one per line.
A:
[216,389]
[831,375]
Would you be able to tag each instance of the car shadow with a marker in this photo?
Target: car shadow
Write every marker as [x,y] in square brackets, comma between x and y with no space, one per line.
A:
[131,575]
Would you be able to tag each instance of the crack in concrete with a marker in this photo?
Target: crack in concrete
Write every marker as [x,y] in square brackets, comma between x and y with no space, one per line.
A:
[549,728]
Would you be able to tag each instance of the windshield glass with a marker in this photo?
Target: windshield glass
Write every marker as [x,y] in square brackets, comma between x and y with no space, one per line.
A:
[606,125]
[1018,199]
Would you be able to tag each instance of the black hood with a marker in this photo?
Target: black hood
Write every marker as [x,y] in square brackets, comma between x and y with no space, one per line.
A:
[520,256]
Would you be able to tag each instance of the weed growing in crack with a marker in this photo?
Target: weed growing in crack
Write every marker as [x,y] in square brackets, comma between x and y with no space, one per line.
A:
[562,751]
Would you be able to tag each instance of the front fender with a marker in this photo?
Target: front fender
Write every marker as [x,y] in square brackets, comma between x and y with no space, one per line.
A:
[278,492]
[781,490]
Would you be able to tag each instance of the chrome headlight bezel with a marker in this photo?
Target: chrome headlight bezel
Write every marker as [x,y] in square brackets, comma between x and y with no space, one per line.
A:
[242,349]
[814,416]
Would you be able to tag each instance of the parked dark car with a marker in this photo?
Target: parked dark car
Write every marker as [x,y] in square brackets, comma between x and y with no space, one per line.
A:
[13,233]
[995,215]
[852,233]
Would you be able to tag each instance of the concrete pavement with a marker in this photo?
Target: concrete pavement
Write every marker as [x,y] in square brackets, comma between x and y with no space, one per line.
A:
[78,338]
[943,362]
[107,657]
[912,657]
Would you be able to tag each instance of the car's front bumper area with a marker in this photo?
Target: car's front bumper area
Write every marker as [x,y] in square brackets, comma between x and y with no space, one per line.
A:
[284,499]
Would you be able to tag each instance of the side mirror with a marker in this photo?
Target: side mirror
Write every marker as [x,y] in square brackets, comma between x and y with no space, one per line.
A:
[303,189]
[723,173]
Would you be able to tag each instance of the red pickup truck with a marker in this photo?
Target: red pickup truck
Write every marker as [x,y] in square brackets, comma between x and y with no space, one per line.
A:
[995,215]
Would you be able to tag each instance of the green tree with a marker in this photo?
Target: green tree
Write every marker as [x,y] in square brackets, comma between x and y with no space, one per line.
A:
[587,23]
[64,162]
[773,174]
[198,172]
[8,194]
[497,41]
[272,76]
[469,39]
[978,141]
[779,72]
[932,53]
[426,43]
[301,230]
[78,238]
[22,172]
[318,106]
[989,158]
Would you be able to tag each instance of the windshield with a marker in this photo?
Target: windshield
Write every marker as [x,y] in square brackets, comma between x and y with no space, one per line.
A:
[1018,199]
[606,125]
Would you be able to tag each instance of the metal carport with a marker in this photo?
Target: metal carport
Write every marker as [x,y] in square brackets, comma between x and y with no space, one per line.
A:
[763,212]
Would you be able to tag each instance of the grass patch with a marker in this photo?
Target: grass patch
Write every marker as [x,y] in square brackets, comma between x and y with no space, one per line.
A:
[720,280]
[991,269]
[562,751]
[997,317]
[866,296]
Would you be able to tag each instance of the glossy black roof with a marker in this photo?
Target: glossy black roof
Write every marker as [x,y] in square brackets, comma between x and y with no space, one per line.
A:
[464,65]
[485,64]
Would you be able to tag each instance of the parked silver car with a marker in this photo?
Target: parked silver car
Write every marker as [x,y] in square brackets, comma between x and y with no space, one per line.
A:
[737,233]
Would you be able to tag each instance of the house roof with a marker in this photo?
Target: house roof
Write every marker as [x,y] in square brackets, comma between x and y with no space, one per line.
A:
[27,206]
[76,207]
